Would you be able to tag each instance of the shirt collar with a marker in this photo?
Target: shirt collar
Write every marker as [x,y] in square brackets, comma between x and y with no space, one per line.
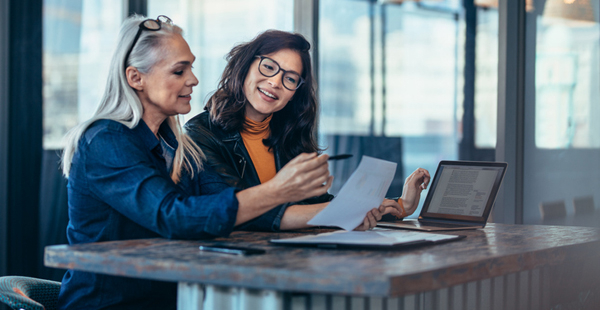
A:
[257,128]
[165,131]
[150,140]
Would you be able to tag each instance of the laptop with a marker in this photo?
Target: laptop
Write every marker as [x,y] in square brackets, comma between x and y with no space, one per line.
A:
[461,196]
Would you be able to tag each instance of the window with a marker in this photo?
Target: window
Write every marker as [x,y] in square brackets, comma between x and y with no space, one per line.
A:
[390,83]
[562,107]
[78,36]
[486,78]
[567,76]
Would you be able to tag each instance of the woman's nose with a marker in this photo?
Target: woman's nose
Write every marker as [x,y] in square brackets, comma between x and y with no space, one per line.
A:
[275,80]
[193,81]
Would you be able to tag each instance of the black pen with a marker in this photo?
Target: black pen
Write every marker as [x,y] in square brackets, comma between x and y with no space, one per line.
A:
[341,156]
[235,250]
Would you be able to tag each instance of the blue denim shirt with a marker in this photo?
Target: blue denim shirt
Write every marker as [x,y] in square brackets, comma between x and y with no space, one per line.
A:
[119,188]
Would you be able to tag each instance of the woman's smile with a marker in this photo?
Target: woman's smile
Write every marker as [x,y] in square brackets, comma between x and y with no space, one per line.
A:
[186,97]
[269,96]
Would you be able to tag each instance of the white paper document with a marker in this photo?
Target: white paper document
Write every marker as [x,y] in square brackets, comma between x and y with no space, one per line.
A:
[364,190]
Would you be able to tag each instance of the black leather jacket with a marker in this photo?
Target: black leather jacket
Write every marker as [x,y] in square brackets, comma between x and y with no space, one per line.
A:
[227,154]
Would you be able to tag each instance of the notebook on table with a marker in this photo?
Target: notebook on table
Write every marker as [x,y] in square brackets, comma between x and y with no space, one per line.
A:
[461,196]
[372,239]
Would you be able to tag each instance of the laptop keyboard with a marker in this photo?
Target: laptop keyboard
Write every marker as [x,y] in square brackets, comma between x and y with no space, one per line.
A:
[442,225]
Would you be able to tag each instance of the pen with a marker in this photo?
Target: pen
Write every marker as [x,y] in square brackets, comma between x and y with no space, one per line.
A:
[221,250]
[235,250]
[341,156]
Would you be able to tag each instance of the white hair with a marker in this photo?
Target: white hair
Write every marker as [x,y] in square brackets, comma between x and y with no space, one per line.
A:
[120,102]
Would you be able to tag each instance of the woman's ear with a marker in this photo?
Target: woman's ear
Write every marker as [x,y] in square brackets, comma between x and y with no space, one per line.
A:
[134,78]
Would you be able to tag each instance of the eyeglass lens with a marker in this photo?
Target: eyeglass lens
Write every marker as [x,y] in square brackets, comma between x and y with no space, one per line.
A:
[155,24]
[151,24]
[269,67]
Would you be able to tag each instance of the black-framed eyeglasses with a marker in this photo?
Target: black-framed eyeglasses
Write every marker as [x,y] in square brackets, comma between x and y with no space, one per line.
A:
[269,67]
[150,25]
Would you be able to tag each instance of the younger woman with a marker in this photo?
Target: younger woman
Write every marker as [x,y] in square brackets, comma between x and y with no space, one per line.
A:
[263,115]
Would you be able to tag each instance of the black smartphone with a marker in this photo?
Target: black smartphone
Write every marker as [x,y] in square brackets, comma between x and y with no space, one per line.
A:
[230,249]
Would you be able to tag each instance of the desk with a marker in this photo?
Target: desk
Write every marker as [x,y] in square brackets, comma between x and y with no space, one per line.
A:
[499,267]
[585,220]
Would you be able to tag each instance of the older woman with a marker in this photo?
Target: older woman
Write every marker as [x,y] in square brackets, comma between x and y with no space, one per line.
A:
[132,173]
[263,115]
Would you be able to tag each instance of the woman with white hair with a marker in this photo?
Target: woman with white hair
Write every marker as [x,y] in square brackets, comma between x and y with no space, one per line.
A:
[133,174]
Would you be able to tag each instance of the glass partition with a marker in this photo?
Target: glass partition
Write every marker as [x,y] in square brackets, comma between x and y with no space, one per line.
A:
[390,83]
[486,78]
[391,77]
[562,132]
[78,38]
[567,82]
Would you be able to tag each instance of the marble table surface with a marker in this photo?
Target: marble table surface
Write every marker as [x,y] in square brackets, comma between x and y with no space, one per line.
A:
[496,250]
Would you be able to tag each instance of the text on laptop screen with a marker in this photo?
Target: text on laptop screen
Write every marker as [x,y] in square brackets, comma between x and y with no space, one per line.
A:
[463,190]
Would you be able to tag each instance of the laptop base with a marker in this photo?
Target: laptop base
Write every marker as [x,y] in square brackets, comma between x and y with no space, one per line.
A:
[426,226]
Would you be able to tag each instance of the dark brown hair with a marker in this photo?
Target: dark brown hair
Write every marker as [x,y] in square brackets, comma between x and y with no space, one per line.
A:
[292,126]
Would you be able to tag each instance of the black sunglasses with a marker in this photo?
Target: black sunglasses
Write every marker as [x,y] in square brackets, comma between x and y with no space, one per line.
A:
[269,67]
[150,25]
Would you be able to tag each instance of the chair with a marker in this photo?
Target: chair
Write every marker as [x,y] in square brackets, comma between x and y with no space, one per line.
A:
[584,205]
[553,209]
[29,293]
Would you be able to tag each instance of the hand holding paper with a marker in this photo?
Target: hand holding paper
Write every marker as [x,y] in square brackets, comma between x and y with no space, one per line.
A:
[364,190]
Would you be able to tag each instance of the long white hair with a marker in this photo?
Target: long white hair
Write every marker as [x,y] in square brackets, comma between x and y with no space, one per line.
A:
[120,102]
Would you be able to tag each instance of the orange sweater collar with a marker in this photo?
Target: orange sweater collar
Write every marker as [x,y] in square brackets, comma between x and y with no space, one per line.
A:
[257,128]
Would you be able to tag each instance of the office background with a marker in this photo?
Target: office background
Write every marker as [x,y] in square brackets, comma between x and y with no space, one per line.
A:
[413,82]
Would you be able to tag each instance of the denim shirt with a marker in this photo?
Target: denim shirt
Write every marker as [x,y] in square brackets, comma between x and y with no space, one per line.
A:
[119,188]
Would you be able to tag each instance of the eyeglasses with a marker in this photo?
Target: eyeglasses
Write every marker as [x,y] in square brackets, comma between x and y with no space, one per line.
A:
[269,67]
[150,25]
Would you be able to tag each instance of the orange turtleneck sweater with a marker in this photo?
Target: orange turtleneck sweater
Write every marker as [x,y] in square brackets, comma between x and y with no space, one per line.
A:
[253,135]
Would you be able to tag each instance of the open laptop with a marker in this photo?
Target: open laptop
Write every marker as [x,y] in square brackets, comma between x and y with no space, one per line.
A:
[461,196]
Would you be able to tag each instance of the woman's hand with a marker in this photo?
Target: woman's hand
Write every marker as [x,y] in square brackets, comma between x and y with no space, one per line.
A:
[370,220]
[303,177]
[389,206]
[413,186]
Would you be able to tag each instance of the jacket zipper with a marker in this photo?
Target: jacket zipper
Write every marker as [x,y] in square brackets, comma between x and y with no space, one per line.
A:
[243,162]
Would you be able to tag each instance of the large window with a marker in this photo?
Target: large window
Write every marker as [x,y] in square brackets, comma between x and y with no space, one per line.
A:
[397,79]
[486,77]
[390,83]
[78,38]
[567,84]
[562,132]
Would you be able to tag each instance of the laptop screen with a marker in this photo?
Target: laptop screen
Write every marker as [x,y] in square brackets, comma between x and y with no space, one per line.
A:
[463,190]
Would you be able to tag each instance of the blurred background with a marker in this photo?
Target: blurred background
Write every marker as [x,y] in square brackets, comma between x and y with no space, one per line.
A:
[413,82]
